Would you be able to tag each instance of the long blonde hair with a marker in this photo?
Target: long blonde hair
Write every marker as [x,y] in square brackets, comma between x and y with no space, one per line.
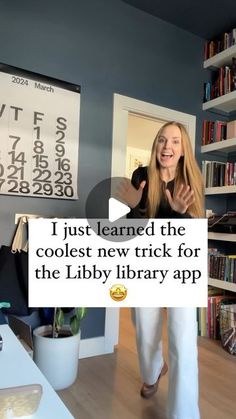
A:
[187,173]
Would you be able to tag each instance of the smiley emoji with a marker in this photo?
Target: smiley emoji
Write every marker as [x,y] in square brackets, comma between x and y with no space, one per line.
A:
[118,292]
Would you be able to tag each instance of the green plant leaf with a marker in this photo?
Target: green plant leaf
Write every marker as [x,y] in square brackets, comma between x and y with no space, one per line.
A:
[80,312]
[75,325]
[59,319]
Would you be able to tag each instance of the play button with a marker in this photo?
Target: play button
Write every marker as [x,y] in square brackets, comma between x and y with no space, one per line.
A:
[103,208]
[117,210]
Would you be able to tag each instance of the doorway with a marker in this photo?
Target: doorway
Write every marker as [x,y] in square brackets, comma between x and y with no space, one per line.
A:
[141,132]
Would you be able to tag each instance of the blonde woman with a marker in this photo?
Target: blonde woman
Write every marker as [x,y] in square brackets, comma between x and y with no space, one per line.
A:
[170,187]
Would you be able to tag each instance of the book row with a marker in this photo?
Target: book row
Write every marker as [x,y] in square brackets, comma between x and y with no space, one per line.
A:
[223,82]
[213,131]
[222,267]
[210,318]
[214,47]
[217,173]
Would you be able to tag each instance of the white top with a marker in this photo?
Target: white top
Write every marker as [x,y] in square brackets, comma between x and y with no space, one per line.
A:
[17,368]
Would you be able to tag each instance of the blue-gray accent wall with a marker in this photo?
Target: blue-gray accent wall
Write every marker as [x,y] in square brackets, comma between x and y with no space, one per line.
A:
[107,47]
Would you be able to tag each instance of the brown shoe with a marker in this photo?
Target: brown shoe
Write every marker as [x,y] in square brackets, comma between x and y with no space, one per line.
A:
[147,391]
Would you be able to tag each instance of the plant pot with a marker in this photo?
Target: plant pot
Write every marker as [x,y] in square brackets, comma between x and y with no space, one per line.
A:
[57,358]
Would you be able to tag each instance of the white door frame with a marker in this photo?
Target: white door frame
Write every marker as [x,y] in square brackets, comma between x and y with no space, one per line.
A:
[122,106]
[103,344]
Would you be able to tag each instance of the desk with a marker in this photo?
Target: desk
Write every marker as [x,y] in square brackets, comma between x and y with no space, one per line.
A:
[17,368]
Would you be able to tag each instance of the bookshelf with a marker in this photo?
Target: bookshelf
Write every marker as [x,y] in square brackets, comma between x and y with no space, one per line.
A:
[220,190]
[229,286]
[222,236]
[225,146]
[222,284]
[224,104]
[221,59]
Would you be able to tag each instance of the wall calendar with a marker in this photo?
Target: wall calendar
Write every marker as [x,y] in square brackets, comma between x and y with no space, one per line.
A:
[39,135]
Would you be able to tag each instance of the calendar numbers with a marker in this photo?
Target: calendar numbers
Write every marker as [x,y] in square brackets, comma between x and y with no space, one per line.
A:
[60,150]
[50,175]
[2,179]
[38,147]
[15,172]
[15,141]
[42,189]
[16,187]
[41,161]
[63,164]
[39,132]
[1,183]
[24,187]
[17,157]
[1,170]
[64,190]
[63,175]
[19,80]
[65,178]
[42,175]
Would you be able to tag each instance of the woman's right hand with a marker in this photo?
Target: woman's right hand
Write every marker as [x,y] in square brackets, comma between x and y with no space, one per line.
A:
[182,199]
[128,194]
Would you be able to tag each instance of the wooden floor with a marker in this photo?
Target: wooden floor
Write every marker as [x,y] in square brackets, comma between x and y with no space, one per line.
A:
[108,386]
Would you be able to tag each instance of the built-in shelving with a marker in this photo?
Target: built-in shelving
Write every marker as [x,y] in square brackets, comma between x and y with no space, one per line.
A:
[225,103]
[221,59]
[225,146]
[222,236]
[217,190]
[229,286]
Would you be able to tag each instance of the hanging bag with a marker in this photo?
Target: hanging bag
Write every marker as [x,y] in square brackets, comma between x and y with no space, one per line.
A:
[14,273]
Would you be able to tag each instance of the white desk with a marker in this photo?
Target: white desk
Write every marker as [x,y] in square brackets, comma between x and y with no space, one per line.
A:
[17,368]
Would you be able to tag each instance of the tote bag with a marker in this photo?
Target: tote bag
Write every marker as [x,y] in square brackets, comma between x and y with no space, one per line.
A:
[14,273]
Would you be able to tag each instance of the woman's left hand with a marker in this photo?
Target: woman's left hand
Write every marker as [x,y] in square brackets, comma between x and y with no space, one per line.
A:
[182,199]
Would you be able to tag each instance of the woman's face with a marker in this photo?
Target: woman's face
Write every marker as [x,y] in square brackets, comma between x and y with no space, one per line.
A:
[169,147]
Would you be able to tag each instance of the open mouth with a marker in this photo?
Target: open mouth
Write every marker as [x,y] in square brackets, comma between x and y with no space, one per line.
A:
[166,156]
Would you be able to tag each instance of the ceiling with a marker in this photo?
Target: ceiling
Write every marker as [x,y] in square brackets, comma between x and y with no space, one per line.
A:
[205,18]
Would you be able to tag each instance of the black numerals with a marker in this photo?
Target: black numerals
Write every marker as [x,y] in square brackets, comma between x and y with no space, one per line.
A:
[1,170]
[1,183]
[63,178]
[41,161]
[62,190]
[16,182]
[42,176]
[36,158]
[63,164]
[15,172]
[19,80]
[42,188]
[17,157]
[16,187]
[63,175]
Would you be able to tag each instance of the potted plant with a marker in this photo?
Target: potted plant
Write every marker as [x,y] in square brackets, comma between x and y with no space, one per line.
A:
[56,347]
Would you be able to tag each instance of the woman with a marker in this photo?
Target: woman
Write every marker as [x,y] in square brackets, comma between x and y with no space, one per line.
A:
[170,187]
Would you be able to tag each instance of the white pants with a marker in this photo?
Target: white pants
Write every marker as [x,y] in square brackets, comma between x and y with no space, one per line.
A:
[183,364]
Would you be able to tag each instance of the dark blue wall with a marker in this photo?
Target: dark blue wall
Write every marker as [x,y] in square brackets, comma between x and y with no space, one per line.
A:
[107,47]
